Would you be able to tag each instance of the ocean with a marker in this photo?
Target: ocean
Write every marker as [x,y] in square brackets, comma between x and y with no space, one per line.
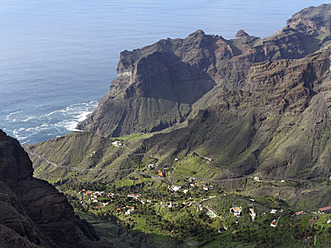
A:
[58,57]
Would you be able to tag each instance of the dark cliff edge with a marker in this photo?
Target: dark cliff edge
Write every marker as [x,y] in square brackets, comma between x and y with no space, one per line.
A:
[166,83]
[33,212]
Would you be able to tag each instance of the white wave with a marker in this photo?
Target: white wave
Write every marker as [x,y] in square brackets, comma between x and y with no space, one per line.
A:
[52,124]
[76,113]
[29,118]
[55,112]
[17,135]
[7,118]
[24,142]
[83,115]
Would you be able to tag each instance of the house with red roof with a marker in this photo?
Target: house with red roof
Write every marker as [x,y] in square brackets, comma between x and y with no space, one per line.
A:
[325,210]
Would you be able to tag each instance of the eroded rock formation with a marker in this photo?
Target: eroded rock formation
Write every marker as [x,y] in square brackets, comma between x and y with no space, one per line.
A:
[33,212]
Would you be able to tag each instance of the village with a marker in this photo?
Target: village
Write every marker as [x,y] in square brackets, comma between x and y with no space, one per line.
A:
[176,199]
[159,201]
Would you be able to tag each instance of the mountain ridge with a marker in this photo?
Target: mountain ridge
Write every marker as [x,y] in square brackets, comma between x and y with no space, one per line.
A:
[148,93]
[259,108]
[272,122]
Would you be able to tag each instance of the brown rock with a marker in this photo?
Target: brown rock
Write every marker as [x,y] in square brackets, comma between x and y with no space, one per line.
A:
[33,212]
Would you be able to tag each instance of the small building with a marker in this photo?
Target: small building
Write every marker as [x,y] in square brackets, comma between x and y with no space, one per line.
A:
[137,196]
[298,213]
[129,211]
[257,179]
[161,173]
[326,210]
[205,188]
[208,159]
[111,195]
[117,143]
[273,223]
[151,166]
[236,211]
[273,211]
[252,213]
[175,188]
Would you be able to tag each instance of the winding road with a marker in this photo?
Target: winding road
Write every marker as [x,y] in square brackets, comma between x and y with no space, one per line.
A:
[73,167]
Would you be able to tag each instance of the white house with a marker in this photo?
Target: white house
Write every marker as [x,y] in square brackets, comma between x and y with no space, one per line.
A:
[117,143]
[129,211]
[236,211]
[252,213]
[257,179]
[175,188]
[151,166]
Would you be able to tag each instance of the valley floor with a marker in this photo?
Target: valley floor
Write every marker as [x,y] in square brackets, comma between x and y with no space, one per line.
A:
[156,213]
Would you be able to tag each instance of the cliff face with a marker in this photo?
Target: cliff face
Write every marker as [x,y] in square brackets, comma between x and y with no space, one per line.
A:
[252,106]
[312,20]
[34,213]
[277,125]
[159,85]
[159,93]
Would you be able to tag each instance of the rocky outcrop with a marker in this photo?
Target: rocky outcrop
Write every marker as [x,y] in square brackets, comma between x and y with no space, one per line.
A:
[158,86]
[34,213]
[312,20]
[161,91]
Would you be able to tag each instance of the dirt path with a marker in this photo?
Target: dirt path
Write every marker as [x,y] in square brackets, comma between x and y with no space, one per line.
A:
[72,167]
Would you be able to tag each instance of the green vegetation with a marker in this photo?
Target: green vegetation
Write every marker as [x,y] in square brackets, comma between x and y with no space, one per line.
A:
[135,136]
[191,213]
[164,218]
[194,165]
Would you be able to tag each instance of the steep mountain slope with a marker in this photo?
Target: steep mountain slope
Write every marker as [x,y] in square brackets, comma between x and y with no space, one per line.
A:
[34,213]
[160,85]
[278,125]
[253,107]
[80,157]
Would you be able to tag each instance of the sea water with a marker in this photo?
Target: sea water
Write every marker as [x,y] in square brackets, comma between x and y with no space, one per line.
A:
[58,57]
